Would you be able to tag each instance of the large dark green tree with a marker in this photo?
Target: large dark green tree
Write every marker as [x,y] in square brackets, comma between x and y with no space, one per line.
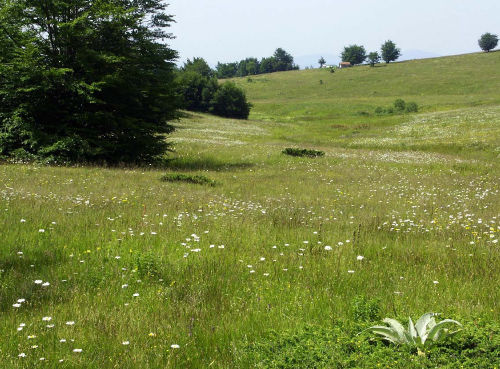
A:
[85,80]
[283,61]
[355,54]
[389,51]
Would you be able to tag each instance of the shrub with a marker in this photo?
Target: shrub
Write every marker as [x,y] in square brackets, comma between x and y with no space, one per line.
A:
[177,177]
[399,104]
[230,101]
[379,110]
[302,152]
[411,107]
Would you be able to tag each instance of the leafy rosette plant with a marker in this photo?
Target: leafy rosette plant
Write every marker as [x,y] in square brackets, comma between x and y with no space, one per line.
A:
[422,334]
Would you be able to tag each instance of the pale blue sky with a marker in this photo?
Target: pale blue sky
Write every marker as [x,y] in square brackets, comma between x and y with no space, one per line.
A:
[230,30]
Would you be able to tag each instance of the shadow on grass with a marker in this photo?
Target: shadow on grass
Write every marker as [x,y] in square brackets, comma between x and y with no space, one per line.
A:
[204,164]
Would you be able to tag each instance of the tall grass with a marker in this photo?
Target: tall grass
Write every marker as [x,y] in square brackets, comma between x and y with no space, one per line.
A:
[276,244]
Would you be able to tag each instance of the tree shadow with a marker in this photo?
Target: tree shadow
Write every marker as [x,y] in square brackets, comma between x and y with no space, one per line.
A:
[207,163]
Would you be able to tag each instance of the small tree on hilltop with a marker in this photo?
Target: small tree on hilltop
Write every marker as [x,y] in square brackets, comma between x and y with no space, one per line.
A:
[355,54]
[374,58]
[390,52]
[488,42]
[321,62]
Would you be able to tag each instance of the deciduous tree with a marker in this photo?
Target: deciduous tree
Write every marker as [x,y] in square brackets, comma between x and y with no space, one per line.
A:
[488,42]
[85,80]
[355,54]
[390,52]
[374,58]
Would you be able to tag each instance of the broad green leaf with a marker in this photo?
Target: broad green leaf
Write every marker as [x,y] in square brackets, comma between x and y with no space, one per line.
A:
[411,328]
[387,333]
[434,332]
[396,326]
[421,326]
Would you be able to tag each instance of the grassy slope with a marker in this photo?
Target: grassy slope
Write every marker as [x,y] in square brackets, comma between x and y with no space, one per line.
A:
[421,205]
[334,112]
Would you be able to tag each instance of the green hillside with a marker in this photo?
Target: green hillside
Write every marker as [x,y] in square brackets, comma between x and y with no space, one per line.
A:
[270,260]
[339,108]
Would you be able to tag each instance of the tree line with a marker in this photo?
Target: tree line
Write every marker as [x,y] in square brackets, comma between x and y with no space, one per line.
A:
[200,91]
[280,61]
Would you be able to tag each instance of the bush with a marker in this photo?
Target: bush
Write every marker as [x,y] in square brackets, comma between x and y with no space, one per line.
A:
[399,104]
[196,90]
[411,107]
[379,110]
[230,101]
[177,177]
[302,152]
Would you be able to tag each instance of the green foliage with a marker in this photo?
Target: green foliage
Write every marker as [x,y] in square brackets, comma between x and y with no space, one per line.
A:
[283,61]
[488,41]
[201,92]
[267,65]
[194,179]
[355,54]
[399,104]
[230,101]
[292,151]
[248,66]
[85,81]
[196,90]
[226,70]
[390,52]
[198,65]
[411,107]
[364,309]
[373,58]
[423,333]
[321,62]
[311,346]
[280,61]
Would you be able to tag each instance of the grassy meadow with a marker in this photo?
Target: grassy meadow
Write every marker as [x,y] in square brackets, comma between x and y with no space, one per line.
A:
[281,261]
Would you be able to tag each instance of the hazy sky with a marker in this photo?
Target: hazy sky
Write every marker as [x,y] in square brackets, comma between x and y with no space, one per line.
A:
[230,30]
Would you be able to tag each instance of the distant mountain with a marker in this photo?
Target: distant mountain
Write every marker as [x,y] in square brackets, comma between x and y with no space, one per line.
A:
[312,60]
[417,54]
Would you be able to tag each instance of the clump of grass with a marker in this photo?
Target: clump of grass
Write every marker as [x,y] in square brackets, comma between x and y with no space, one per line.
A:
[400,107]
[186,178]
[303,152]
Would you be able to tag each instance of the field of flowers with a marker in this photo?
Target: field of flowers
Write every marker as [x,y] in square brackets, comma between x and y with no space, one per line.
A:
[280,264]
